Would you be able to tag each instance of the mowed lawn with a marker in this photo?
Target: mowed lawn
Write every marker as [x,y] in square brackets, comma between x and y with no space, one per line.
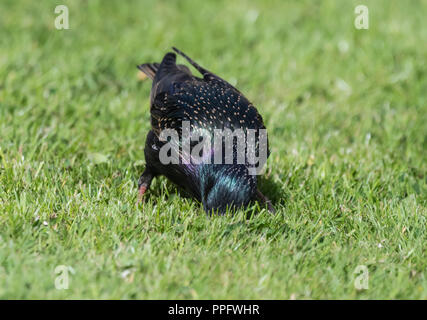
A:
[346,112]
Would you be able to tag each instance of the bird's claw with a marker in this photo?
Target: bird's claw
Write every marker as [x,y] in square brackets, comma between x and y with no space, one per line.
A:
[270,207]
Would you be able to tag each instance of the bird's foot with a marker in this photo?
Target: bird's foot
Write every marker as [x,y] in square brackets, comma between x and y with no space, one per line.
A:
[263,199]
[141,191]
[270,207]
[144,183]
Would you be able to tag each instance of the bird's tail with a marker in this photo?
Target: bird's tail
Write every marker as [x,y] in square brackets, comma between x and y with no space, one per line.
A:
[206,73]
[149,69]
[202,70]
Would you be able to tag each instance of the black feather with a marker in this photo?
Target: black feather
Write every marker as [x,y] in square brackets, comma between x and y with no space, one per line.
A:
[207,103]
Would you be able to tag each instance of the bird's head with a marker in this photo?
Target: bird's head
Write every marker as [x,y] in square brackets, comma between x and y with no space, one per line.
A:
[226,186]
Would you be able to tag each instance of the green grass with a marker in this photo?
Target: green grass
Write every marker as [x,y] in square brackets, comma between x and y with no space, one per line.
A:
[346,111]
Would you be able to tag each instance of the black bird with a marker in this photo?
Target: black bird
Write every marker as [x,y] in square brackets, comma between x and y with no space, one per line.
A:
[206,103]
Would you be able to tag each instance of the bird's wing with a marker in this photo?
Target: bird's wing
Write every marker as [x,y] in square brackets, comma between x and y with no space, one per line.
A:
[206,106]
[209,105]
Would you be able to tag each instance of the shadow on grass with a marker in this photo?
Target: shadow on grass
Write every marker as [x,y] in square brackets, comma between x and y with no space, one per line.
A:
[272,190]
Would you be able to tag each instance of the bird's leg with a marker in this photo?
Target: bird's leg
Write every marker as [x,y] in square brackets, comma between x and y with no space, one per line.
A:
[144,183]
[263,199]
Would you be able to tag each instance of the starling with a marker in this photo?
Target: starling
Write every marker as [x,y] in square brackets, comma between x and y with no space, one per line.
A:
[207,104]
